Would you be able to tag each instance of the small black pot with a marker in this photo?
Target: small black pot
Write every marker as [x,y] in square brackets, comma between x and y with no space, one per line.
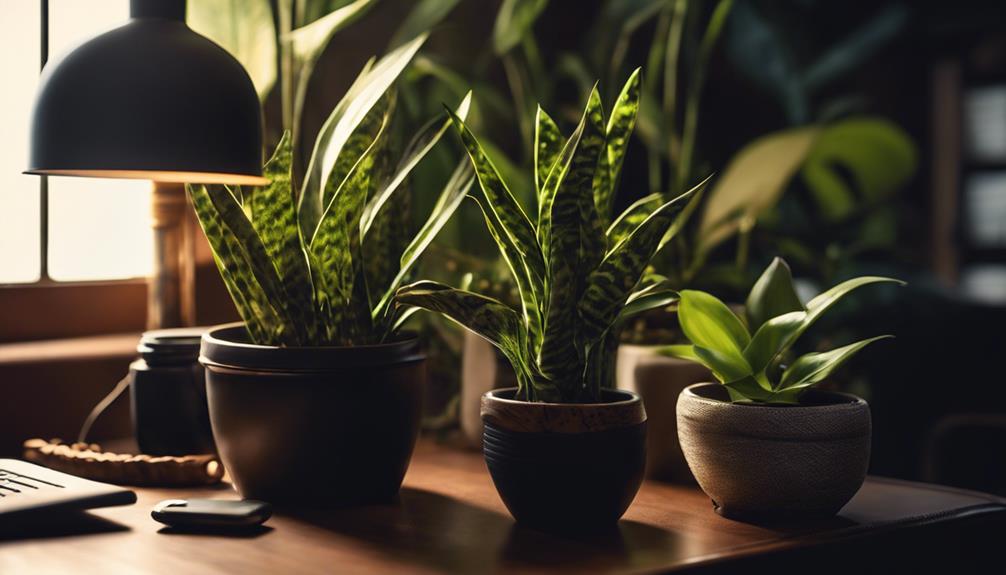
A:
[168,394]
[322,426]
[565,467]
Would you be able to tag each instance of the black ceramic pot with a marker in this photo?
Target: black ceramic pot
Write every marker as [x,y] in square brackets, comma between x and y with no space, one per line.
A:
[322,426]
[565,467]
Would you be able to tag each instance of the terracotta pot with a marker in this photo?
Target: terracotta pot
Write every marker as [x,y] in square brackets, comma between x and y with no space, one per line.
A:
[659,380]
[321,426]
[565,466]
[770,461]
[483,368]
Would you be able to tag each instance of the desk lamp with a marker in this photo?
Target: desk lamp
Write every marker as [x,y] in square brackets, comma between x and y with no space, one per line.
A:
[151,100]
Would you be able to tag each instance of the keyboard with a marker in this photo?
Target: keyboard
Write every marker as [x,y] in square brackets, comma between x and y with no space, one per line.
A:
[29,489]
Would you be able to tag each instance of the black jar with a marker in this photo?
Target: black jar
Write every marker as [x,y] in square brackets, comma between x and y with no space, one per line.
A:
[168,390]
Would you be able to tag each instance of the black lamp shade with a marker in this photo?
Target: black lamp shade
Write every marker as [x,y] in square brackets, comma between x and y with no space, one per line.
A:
[148,100]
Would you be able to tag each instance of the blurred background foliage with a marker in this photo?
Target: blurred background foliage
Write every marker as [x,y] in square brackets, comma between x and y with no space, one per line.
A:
[803,109]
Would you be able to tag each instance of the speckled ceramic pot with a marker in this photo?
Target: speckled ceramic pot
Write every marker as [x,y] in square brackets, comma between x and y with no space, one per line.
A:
[565,467]
[770,462]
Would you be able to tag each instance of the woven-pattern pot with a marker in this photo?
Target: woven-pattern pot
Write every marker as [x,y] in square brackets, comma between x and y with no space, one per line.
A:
[770,461]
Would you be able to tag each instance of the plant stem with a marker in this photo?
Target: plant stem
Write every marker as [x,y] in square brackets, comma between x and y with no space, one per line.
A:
[287,13]
[706,46]
[670,93]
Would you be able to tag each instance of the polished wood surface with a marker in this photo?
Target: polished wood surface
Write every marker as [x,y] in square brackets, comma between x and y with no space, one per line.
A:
[450,520]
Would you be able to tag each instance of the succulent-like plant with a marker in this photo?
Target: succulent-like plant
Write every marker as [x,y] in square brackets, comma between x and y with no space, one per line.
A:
[754,367]
[319,263]
[577,276]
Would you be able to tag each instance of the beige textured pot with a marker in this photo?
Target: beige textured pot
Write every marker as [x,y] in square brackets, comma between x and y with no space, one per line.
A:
[659,380]
[768,462]
[483,369]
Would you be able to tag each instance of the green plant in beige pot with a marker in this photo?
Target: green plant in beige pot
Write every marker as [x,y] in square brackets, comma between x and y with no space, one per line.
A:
[316,396]
[763,442]
[565,450]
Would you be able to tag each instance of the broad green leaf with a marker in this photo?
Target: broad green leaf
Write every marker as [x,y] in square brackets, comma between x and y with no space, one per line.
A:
[368,89]
[857,161]
[753,182]
[680,351]
[632,217]
[548,143]
[511,218]
[274,217]
[514,21]
[245,29]
[619,132]
[772,295]
[707,322]
[820,304]
[770,339]
[747,389]
[450,198]
[816,367]
[423,17]
[725,365]
[421,144]
[609,286]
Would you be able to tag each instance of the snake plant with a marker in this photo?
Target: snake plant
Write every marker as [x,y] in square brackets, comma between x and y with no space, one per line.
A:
[318,263]
[749,354]
[577,271]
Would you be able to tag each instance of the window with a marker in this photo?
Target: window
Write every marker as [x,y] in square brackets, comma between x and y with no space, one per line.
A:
[97,229]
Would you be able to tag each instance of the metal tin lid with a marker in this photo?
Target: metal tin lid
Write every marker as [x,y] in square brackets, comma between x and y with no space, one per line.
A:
[176,345]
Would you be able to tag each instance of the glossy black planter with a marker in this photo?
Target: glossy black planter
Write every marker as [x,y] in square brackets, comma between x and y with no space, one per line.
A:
[320,427]
[565,467]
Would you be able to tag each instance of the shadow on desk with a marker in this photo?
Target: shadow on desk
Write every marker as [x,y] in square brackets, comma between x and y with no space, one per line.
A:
[49,526]
[437,531]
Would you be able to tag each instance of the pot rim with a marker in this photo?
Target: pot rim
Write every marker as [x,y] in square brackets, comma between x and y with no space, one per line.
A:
[633,398]
[219,348]
[848,400]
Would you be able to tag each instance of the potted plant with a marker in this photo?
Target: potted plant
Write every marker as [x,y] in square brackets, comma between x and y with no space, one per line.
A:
[764,443]
[316,397]
[565,450]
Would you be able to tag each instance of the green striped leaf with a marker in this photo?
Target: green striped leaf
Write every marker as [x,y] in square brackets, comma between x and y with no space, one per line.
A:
[450,198]
[245,265]
[574,245]
[511,220]
[619,133]
[652,297]
[548,143]
[274,217]
[609,286]
[338,262]
[365,92]
[421,144]
[632,217]
[528,286]
[484,316]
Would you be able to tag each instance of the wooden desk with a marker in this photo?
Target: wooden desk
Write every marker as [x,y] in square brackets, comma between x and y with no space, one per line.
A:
[449,519]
